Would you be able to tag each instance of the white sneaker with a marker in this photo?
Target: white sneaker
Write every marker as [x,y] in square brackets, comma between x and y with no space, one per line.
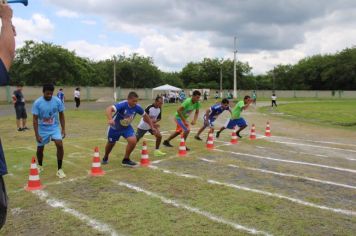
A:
[60,174]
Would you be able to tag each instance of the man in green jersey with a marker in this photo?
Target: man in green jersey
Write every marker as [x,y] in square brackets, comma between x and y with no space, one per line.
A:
[181,116]
[236,119]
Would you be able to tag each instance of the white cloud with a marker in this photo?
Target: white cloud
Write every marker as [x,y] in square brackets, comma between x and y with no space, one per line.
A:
[37,28]
[67,14]
[174,33]
[171,53]
[96,51]
[89,22]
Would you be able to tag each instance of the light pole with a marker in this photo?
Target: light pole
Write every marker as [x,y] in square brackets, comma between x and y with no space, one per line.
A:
[235,51]
[114,79]
[221,81]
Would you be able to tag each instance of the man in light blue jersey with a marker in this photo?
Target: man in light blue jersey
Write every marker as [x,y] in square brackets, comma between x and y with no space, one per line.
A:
[119,118]
[48,112]
[211,115]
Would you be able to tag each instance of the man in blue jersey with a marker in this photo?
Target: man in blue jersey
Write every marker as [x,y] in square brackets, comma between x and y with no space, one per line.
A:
[48,112]
[119,118]
[7,54]
[60,95]
[211,115]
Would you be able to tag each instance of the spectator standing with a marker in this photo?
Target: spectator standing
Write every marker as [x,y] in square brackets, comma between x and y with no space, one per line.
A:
[19,104]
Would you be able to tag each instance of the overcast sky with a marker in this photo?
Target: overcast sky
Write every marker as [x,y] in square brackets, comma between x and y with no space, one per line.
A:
[173,33]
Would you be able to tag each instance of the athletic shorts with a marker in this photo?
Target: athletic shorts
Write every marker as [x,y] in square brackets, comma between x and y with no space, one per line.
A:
[114,135]
[20,112]
[181,126]
[141,132]
[231,123]
[4,76]
[210,122]
[47,134]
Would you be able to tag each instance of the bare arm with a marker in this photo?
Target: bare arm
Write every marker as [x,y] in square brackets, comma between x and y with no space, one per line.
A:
[7,36]
[63,123]
[196,115]
[109,110]
[179,111]
[35,128]
[207,113]
[148,120]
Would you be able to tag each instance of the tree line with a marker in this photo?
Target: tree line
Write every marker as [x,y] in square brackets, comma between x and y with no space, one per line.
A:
[37,63]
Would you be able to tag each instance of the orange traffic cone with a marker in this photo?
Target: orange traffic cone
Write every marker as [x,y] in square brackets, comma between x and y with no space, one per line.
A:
[233,137]
[268,130]
[253,132]
[96,166]
[144,155]
[34,182]
[182,149]
[210,142]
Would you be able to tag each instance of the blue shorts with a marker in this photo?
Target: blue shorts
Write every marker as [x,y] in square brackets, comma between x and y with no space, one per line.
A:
[181,126]
[4,76]
[231,123]
[210,122]
[47,134]
[114,135]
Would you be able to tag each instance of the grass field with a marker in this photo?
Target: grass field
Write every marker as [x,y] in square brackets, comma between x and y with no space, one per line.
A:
[300,181]
[331,112]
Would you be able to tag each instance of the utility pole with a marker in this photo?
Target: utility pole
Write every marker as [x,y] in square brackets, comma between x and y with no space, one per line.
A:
[221,93]
[235,51]
[114,79]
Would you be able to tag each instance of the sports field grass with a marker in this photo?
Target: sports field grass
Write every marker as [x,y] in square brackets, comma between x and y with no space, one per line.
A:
[332,112]
[300,181]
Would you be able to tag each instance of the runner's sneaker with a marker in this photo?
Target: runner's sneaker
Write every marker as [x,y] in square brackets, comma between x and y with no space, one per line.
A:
[238,134]
[128,163]
[60,174]
[167,144]
[186,148]
[198,138]
[105,161]
[40,168]
[158,153]
[20,129]
[217,134]
[25,128]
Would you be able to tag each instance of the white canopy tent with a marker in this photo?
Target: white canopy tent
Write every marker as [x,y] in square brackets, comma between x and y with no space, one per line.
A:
[166,88]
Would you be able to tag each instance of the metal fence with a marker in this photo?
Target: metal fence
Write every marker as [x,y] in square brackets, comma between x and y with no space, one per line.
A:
[107,94]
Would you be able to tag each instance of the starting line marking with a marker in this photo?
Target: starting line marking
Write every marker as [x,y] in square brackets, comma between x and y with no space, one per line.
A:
[206,214]
[295,200]
[101,227]
[289,161]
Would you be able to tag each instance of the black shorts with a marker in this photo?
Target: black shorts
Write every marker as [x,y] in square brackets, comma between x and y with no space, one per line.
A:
[20,112]
[3,202]
[141,132]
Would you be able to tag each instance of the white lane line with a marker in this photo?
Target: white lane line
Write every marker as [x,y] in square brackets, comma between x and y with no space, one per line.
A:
[195,210]
[315,146]
[295,176]
[207,160]
[95,224]
[289,161]
[315,141]
[295,200]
